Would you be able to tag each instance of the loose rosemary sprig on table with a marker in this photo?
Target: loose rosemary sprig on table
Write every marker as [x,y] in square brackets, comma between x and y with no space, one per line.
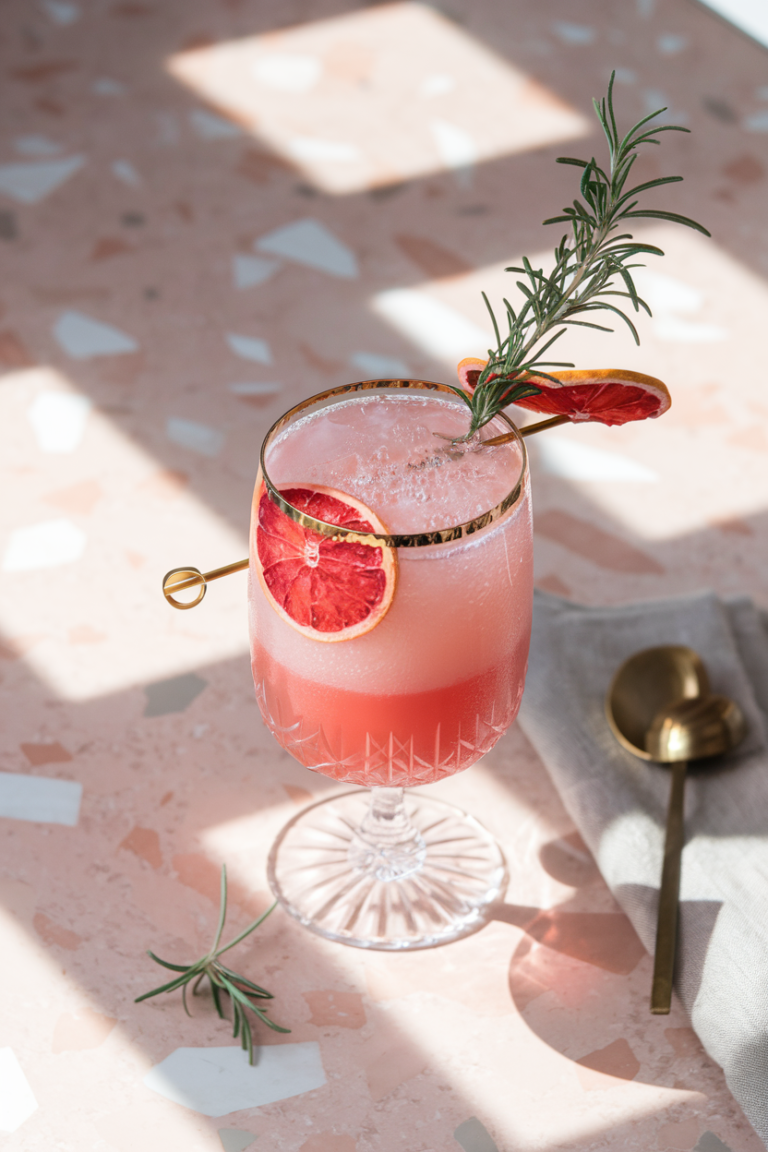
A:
[241,991]
[590,266]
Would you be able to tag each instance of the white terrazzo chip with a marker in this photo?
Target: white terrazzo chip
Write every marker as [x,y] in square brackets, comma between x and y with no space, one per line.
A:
[576,34]
[36,146]
[757,122]
[312,244]
[249,271]
[377,366]
[61,12]
[106,86]
[473,1136]
[236,1139]
[125,171]
[29,183]
[84,338]
[256,388]
[250,348]
[215,1081]
[209,126]
[17,1100]
[41,799]
[197,437]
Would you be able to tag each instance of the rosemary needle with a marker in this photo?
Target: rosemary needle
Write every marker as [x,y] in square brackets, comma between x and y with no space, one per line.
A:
[243,993]
[592,264]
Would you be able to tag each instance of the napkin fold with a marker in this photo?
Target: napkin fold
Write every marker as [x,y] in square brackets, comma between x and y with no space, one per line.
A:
[618,802]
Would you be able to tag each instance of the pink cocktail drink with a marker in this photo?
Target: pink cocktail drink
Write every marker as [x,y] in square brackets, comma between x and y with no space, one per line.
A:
[436,682]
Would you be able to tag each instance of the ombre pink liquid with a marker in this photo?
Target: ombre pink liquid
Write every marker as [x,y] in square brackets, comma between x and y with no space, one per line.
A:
[437,681]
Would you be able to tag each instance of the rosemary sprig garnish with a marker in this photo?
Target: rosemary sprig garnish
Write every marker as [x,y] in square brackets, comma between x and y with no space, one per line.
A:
[591,264]
[242,992]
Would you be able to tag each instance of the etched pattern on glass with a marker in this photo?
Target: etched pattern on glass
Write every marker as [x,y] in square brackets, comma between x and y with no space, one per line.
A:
[393,762]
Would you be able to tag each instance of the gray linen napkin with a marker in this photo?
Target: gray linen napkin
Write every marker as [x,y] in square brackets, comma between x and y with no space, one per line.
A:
[618,802]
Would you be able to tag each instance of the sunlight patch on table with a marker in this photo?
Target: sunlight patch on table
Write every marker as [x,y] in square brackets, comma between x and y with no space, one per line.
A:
[574,461]
[58,417]
[749,15]
[48,544]
[703,296]
[435,327]
[73,1024]
[377,97]
[102,563]
[672,302]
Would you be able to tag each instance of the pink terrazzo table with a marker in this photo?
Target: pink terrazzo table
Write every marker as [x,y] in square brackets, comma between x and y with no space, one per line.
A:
[208,210]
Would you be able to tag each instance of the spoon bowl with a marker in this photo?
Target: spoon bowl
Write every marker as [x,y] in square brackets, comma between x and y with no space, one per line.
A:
[695,730]
[647,683]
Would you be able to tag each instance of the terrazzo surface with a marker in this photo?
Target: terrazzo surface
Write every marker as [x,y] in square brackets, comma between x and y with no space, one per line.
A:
[208,211]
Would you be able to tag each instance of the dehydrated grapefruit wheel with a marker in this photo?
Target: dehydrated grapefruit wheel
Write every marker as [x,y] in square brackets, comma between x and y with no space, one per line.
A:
[605,395]
[469,369]
[328,589]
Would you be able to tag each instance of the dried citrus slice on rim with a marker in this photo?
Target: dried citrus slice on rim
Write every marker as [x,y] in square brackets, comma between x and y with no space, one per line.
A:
[469,369]
[326,588]
[606,395]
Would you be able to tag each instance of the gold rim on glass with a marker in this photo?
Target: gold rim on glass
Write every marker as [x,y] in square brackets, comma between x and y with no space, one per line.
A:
[405,540]
[188,577]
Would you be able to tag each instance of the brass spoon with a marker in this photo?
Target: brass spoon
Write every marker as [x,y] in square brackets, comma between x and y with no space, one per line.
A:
[689,730]
[659,708]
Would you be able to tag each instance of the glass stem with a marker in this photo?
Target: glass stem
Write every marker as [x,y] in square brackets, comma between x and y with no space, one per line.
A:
[386,843]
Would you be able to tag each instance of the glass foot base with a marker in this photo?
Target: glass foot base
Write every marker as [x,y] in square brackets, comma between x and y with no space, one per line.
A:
[325,875]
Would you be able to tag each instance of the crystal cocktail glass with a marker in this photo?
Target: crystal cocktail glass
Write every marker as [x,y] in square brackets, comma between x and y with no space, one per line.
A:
[422,695]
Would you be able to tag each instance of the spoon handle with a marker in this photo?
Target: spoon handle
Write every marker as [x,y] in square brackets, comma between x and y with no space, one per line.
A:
[666,928]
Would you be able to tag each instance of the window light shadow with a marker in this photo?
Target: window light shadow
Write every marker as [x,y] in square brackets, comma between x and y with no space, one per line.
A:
[369,99]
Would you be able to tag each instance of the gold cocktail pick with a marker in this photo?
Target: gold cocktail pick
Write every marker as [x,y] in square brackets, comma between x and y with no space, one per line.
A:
[552,422]
[179,579]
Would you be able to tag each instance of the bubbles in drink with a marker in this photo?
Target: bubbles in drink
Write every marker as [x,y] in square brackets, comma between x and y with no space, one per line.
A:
[406,462]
